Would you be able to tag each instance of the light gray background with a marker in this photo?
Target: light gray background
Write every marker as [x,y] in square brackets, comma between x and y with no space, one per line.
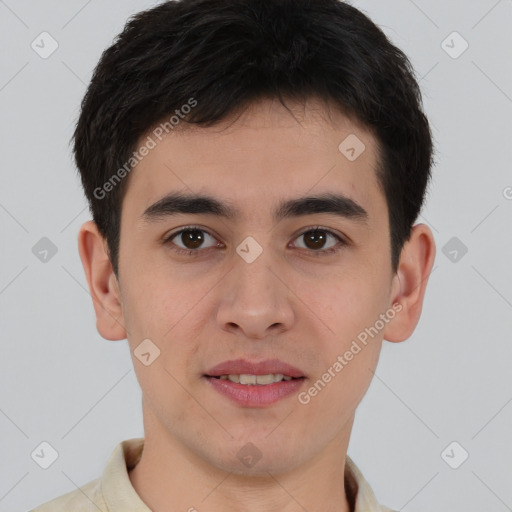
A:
[62,383]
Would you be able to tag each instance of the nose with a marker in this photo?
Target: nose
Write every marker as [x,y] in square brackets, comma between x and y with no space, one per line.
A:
[255,300]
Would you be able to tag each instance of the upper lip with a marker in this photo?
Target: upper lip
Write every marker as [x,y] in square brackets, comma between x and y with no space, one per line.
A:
[242,366]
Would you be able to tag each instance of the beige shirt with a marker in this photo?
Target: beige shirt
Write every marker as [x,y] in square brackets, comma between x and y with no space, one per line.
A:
[113,491]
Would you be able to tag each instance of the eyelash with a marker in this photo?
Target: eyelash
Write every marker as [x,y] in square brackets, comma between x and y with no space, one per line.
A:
[195,252]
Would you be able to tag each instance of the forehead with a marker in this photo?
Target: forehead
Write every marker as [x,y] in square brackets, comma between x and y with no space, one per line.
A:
[255,160]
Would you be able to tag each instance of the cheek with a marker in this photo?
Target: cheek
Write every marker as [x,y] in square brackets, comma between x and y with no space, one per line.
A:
[342,379]
[154,303]
[164,311]
[350,307]
[348,304]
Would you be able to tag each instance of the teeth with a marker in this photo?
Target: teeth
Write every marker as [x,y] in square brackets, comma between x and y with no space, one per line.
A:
[245,379]
[256,379]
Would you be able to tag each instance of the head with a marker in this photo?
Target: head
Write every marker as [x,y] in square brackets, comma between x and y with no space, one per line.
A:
[297,124]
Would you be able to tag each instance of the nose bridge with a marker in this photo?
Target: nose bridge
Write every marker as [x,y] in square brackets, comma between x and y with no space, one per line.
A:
[253,298]
[253,279]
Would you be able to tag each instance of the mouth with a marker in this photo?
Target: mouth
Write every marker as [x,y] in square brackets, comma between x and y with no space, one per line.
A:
[252,384]
[247,371]
[248,379]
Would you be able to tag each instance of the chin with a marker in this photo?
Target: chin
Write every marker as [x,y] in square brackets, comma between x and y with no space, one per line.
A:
[252,458]
[261,468]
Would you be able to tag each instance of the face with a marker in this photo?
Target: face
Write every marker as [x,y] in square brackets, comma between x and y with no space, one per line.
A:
[299,286]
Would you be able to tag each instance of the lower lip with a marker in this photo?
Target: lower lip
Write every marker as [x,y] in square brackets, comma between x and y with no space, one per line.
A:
[255,395]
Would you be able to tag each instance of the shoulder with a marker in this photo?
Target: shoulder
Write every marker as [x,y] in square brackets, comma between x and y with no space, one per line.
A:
[87,498]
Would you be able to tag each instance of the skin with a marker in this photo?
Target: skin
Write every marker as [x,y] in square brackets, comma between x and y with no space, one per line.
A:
[288,304]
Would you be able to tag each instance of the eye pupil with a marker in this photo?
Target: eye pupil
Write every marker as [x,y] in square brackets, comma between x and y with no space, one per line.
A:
[194,237]
[317,237]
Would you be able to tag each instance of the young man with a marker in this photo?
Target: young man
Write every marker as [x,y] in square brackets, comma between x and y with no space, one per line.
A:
[254,170]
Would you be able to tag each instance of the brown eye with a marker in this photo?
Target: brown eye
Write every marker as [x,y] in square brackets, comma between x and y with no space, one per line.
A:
[317,240]
[190,239]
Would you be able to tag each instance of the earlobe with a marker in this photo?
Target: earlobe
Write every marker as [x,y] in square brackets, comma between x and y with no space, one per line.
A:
[103,285]
[410,282]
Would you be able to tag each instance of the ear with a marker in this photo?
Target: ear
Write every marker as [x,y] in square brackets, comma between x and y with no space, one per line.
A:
[410,282]
[103,285]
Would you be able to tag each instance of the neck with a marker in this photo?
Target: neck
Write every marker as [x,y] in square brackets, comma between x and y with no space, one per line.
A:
[170,477]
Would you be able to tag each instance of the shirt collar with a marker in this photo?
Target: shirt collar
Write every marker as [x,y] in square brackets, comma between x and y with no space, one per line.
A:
[120,496]
[117,489]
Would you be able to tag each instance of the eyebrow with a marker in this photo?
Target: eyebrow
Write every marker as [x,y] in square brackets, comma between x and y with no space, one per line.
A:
[178,203]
